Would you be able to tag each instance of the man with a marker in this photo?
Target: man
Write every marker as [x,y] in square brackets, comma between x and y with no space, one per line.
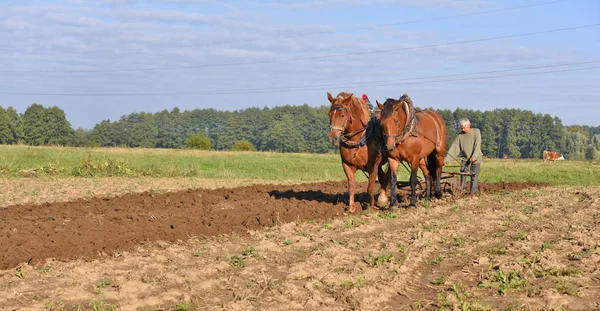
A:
[467,145]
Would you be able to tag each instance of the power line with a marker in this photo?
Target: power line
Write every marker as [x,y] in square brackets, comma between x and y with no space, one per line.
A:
[307,57]
[305,34]
[325,86]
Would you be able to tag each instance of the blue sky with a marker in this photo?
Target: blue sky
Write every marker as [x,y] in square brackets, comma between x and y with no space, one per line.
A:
[101,59]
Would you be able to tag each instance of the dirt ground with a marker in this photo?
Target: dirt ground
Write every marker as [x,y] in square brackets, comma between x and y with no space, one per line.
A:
[516,246]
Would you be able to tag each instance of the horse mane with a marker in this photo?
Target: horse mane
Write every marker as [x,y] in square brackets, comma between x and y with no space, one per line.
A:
[388,106]
[356,102]
[390,103]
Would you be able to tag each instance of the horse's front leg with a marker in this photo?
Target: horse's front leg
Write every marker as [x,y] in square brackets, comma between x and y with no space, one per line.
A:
[393,183]
[384,181]
[350,170]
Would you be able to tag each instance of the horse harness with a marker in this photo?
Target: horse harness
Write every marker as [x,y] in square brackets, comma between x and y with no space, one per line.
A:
[409,127]
[345,137]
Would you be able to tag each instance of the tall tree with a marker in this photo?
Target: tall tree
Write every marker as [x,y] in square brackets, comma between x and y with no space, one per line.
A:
[576,145]
[34,125]
[102,134]
[60,131]
[284,137]
[6,135]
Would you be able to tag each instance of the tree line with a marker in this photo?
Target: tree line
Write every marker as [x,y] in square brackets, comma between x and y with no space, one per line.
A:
[511,133]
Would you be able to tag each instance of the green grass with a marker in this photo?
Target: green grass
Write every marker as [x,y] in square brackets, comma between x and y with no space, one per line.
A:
[17,161]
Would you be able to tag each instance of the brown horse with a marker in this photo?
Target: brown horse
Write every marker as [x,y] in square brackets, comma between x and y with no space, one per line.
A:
[412,136]
[361,144]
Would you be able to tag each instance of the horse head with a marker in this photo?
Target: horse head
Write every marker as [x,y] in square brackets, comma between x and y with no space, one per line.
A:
[339,116]
[395,115]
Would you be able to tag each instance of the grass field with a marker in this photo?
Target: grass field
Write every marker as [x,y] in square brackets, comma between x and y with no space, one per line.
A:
[44,174]
[62,162]
[20,161]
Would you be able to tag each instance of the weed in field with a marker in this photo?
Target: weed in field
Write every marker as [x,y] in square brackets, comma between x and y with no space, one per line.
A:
[528,210]
[103,283]
[496,251]
[534,291]
[547,245]
[438,281]
[354,222]
[236,261]
[387,215]
[379,260]
[288,242]
[44,269]
[185,306]
[519,237]
[348,284]
[327,223]
[457,241]
[566,287]
[197,254]
[512,280]
[437,260]
[249,252]
[557,272]
[19,272]
[100,305]
[442,301]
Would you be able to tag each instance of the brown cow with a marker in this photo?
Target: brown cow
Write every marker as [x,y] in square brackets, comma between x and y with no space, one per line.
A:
[552,156]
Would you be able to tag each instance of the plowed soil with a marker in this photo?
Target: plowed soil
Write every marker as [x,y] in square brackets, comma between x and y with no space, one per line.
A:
[516,245]
[88,228]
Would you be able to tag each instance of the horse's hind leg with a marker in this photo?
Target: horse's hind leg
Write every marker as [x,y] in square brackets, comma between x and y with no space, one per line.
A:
[427,176]
[414,168]
[350,170]
[433,164]
[371,187]
[438,162]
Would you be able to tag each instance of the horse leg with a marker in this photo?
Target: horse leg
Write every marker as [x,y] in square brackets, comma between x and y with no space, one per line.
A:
[439,161]
[427,176]
[393,183]
[371,186]
[384,180]
[350,170]
[414,168]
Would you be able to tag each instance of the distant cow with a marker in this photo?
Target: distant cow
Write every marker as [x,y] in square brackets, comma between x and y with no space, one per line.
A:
[552,156]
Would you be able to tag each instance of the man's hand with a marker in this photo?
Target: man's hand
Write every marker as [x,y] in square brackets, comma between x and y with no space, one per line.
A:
[473,159]
[445,162]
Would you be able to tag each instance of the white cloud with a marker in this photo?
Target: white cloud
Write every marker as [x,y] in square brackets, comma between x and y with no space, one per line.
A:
[107,35]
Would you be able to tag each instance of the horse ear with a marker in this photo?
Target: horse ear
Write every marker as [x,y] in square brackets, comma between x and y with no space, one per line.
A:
[379,105]
[330,97]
